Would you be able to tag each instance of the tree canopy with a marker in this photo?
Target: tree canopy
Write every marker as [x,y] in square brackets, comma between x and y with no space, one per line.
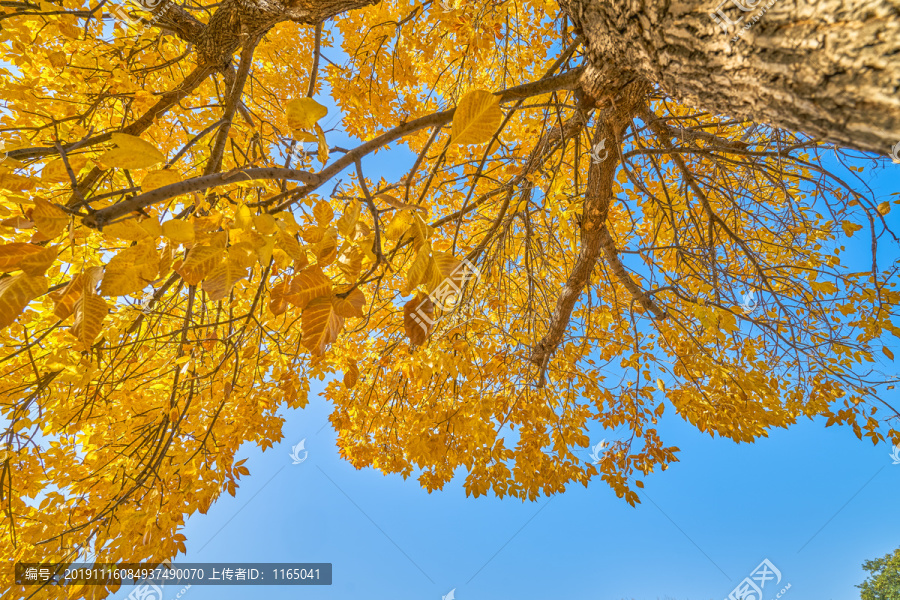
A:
[185,247]
[883,581]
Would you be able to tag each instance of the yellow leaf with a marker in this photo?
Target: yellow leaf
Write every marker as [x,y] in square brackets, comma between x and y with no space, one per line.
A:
[728,322]
[198,263]
[166,259]
[277,301]
[65,298]
[143,256]
[326,249]
[265,223]
[131,270]
[72,32]
[291,247]
[151,226]
[15,294]
[308,285]
[129,229]
[351,375]
[303,113]
[312,235]
[281,260]
[323,213]
[352,305]
[17,222]
[245,254]
[399,225]
[350,263]
[322,146]
[222,278]
[418,321]
[158,179]
[850,228]
[36,264]
[49,219]
[884,208]
[264,252]
[347,223]
[90,311]
[420,271]
[120,279]
[180,232]
[445,268]
[477,118]
[887,352]
[420,232]
[14,183]
[243,218]
[321,324]
[12,255]
[58,59]
[131,152]
[55,170]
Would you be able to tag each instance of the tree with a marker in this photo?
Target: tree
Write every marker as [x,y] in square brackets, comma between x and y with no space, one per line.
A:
[883,582]
[825,69]
[186,246]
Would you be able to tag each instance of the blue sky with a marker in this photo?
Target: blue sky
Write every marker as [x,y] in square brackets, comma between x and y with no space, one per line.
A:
[814,501]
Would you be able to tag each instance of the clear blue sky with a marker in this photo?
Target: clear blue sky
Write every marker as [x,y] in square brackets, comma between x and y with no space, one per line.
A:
[703,526]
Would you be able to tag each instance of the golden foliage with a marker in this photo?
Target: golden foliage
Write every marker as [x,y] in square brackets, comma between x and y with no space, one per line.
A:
[148,334]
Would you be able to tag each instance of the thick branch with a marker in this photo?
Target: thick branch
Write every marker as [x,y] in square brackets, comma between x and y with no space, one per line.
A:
[608,245]
[566,81]
[611,126]
[234,100]
[111,213]
[313,181]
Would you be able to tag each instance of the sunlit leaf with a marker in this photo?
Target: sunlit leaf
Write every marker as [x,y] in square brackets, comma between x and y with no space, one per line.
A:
[321,324]
[131,152]
[477,118]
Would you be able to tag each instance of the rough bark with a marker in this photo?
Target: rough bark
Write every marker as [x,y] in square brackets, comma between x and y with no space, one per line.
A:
[830,69]
[612,120]
[235,21]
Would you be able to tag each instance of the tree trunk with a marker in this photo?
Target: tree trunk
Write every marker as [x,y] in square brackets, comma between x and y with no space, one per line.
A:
[830,69]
